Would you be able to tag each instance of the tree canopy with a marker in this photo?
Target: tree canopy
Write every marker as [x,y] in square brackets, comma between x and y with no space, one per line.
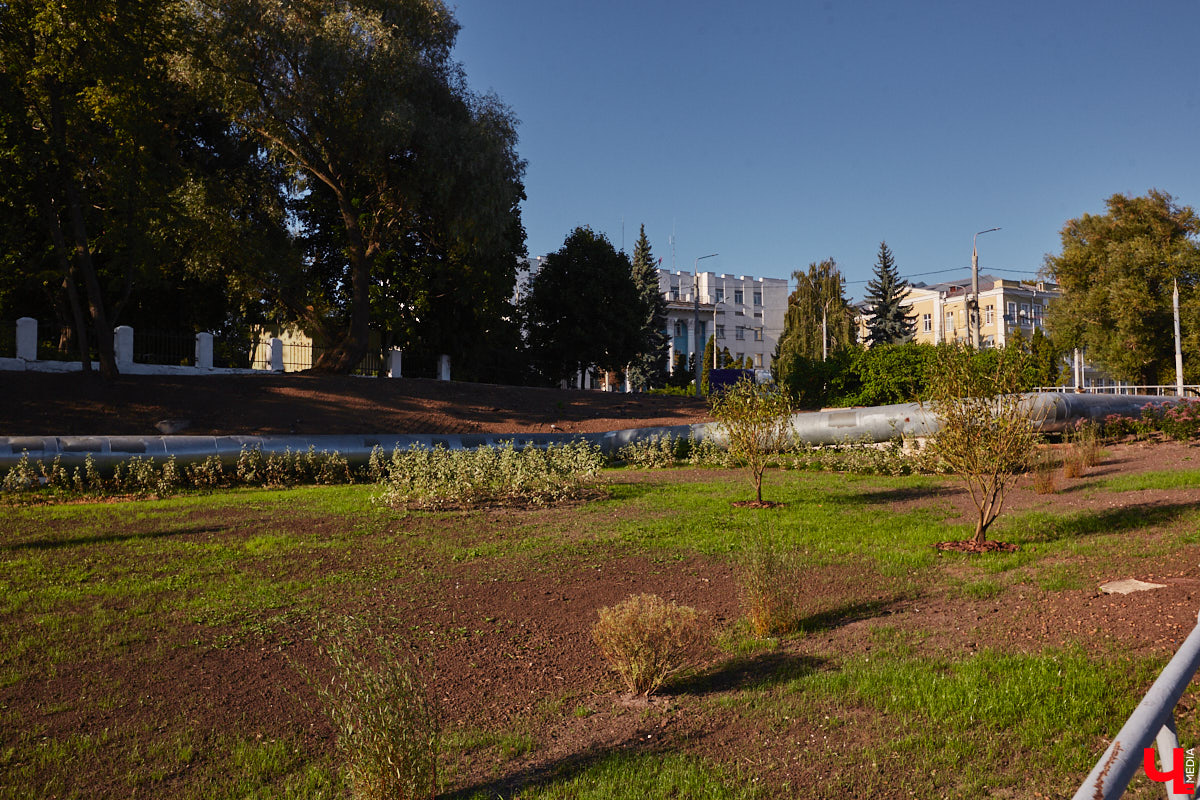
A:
[651,366]
[583,310]
[889,320]
[1116,271]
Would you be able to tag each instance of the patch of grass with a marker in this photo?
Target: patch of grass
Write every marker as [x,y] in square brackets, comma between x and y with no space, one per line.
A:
[1177,479]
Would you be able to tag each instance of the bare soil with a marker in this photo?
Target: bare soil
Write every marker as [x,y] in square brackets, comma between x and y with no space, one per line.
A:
[77,405]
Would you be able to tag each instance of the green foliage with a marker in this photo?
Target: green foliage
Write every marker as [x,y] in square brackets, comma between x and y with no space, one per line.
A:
[650,367]
[768,578]
[1116,272]
[387,728]
[646,640]
[710,353]
[439,478]
[986,436]
[895,457]
[583,309]
[892,373]
[817,303]
[889,319]
[755,421]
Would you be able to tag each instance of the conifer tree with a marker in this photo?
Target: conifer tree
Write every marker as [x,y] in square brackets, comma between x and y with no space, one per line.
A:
[649,369]
[890,321]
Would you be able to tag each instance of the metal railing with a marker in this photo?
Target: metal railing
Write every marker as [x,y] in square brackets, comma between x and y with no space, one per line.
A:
[301,356]
[1156,390]
[1152,721]
[56,342]
[161,347]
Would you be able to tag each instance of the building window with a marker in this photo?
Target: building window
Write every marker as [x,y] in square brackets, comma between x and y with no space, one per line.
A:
[949,320]
[758,297]
[758,334]
[739,297]
[680,328]
[758,315]
[927,322]
[990,315]
[758,360]
[720,331]
[1011,312]
[720,295]
[739,333]
[1037,312]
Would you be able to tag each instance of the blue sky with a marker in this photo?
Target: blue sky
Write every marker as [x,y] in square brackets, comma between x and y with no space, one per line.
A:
[781,133]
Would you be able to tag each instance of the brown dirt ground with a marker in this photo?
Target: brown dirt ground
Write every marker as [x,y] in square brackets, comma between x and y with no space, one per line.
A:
[33,404]
[510,637]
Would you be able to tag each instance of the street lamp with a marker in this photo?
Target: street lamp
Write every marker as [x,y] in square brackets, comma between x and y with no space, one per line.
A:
[974,310]
[824,316]
[697,352]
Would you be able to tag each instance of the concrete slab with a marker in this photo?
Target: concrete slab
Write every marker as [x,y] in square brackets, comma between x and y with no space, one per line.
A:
[1129,585]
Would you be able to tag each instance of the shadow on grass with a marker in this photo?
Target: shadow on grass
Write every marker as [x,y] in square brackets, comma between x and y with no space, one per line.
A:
[746,672]
[559,769]
[1094,523]
[847,613]
[55,543]
[901,494]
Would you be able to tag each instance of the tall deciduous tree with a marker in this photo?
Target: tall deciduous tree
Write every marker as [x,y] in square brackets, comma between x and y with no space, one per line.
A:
[817,313]
[363,101]
[889,320]
[649,368]
[582,309]
[1116,272]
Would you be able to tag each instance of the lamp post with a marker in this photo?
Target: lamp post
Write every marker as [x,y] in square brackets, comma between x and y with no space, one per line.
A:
[697,352]
[824,316]
[716,345]
[974,310]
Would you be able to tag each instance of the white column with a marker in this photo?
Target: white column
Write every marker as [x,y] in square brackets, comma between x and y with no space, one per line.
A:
[394,358]
[443,367]
[204,350]
[27,338]
[123,344]
[276,355]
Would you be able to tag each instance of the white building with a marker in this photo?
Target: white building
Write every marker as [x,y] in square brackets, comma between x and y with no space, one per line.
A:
[746,314]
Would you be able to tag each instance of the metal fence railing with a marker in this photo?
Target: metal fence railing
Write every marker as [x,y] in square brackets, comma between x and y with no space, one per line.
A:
[298,356]
[55,342]
[1152,722]
[162,347]
[1157,390]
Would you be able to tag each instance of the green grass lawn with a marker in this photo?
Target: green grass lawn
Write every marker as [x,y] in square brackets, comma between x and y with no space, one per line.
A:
[157,582]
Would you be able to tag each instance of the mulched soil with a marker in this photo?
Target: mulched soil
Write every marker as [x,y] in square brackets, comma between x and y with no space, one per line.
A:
[509,638]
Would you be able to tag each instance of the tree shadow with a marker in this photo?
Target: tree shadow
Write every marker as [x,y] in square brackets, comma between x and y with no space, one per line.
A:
[517,784]
[847,613]
[56,543]
[746,672]
[902,494]
[1110,520]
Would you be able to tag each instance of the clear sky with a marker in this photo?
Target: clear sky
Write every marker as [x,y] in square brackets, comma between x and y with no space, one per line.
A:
[781,133]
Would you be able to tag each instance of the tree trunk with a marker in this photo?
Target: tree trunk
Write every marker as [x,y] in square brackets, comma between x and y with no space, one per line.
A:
[346,355]
[68,285]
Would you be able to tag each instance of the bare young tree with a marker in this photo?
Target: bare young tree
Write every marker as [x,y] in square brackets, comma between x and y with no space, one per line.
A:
[755,420]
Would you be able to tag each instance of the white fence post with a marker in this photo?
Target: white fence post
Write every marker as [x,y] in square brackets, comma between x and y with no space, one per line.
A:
[204,350]
[123,344]
[27,338]
[276,355]
[393,365]
[443,367]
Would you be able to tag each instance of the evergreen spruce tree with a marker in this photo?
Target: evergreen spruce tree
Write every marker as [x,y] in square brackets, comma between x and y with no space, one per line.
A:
[890,321]
[650,368]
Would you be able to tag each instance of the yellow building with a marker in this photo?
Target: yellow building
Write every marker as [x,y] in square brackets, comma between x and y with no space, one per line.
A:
[1005,307]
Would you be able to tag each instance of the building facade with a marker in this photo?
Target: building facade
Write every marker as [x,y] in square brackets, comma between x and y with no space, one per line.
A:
[1006,307]
[744,313]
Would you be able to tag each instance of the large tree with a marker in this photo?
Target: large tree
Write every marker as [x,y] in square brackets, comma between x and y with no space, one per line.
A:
[819,320]
[888,318]
[582,309]
[1116,272]
[363,101]
[651,366]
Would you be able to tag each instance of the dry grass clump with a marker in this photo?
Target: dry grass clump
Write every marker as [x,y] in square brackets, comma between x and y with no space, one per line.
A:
[1045,473]
[387,729]
[767,581]
[646,640]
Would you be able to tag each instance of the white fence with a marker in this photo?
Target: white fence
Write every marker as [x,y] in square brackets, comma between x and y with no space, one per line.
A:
[1159,390]
[25,358]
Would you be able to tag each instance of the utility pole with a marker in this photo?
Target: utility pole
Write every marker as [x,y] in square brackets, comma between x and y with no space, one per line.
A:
[973,311]
[1178,346]
[697,353]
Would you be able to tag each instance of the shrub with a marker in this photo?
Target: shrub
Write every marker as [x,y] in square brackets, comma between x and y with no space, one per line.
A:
[1045,480]
[1072,463]
[646,639]
[756,424]
[654,452]
[767,579]
[986,436]
[387,729]
[439,478]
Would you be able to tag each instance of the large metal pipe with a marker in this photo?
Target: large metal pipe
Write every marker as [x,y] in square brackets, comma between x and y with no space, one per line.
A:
[1050,412]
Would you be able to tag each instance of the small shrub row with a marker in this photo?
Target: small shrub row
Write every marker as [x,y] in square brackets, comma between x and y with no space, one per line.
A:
[1179,421]
[661,451]
[439,478]
[143,476]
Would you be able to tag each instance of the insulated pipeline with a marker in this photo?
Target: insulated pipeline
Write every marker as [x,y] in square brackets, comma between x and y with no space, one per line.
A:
[1050,412]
